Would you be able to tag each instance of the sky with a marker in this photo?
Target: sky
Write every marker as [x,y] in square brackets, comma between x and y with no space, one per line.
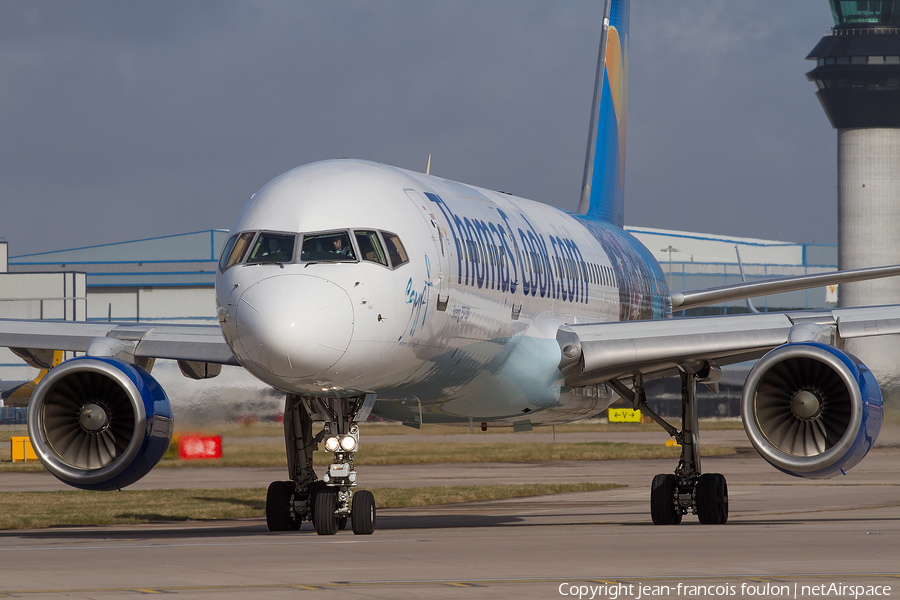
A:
[137,119]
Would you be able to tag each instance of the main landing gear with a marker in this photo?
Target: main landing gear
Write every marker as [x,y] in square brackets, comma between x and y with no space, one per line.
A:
[672,496]
[331,502]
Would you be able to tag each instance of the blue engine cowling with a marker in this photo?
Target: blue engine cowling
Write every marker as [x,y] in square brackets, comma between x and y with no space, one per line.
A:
[811,410]
[99,423]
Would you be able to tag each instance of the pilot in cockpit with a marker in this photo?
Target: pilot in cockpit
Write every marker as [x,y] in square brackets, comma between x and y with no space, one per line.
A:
[274,252]
[339,248]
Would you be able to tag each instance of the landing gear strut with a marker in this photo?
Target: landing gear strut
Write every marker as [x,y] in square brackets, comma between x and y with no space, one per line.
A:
[672,496]
[328,502]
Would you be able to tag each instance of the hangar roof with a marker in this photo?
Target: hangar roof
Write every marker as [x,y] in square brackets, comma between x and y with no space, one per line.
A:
[187,259]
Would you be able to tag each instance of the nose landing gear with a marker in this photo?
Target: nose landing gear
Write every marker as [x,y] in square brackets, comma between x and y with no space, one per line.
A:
[329,502]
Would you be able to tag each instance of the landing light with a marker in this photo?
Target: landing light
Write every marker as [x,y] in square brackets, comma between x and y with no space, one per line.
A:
[348,443]
[332,444]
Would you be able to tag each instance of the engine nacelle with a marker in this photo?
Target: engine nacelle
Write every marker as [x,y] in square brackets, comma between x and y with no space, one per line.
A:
[99,423]
[811,410]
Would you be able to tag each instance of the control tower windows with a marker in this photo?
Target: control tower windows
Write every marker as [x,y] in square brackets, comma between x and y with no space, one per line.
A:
[878,12]
[235,249]
[273,248]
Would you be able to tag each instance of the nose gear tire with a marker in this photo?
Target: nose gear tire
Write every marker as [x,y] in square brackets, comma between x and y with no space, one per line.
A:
[324,519]
[278,506]
[362,513]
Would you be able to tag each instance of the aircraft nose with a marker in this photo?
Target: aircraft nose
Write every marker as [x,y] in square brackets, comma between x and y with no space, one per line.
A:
[294,325]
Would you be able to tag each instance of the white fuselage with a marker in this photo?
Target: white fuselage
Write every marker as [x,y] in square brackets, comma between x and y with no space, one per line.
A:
[459,326]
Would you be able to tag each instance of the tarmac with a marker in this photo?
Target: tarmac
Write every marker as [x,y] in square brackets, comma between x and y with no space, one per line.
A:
[785,537]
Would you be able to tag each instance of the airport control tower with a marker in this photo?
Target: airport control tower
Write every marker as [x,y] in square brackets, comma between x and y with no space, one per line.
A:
[857,74]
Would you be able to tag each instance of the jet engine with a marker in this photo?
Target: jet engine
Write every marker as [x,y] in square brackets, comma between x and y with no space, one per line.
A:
[811,410]
[99,423]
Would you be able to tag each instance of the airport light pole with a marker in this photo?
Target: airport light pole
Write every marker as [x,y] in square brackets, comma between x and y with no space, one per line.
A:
[670,250]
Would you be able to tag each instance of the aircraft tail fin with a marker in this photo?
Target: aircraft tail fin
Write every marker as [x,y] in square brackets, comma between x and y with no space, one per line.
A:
[603,186]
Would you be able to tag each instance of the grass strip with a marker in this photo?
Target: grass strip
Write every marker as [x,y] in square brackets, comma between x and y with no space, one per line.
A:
[276,430]
[418,453]
[239,430]
[20,510]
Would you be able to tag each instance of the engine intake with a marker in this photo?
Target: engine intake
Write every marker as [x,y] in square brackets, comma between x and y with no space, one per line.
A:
[99,423]
[811,410]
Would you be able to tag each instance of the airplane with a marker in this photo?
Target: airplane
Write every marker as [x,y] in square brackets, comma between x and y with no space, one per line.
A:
[359,289]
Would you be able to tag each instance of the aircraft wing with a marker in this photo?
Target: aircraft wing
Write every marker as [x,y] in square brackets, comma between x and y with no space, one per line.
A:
[750,289]
[602,352]
[34,341]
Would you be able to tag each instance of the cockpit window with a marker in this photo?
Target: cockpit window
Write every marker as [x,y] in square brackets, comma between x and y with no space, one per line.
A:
[370,247]
[334,246]
[272,248]
[395,249]
[235,249]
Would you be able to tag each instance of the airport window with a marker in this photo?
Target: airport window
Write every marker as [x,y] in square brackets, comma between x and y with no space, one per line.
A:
[892,60]
[820,62]
[334,246]
[858,60]
[272,248]
[395,249]
[829,61]
[876,60]
[370,247]
[235,249]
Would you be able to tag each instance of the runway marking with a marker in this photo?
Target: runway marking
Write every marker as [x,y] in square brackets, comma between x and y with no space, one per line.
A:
[119,547]
[456,583]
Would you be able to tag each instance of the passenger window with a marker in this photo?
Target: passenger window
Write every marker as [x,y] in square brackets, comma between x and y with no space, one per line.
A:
[395,249]
[370,247]
[334,246]
[235,249]
[273,248]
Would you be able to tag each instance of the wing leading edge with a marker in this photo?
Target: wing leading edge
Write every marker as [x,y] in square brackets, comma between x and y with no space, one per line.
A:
[200,343]
[594,353]
[739,291]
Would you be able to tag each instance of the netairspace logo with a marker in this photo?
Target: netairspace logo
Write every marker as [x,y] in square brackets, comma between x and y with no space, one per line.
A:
[637,591]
